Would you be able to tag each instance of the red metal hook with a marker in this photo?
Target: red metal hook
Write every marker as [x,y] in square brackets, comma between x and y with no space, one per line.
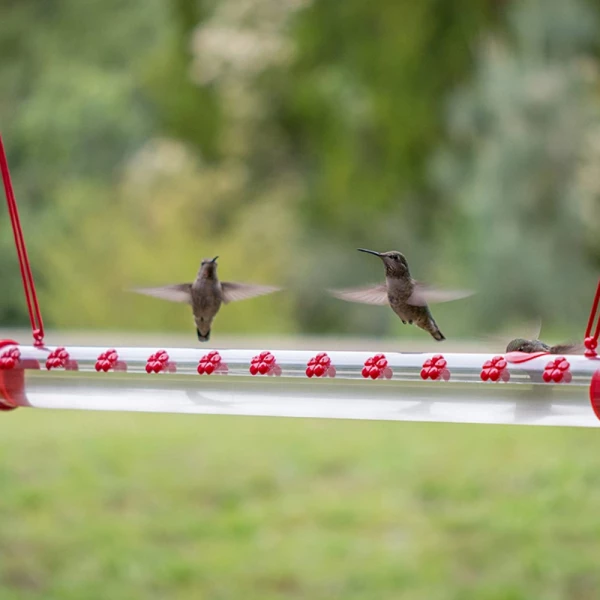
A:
[591,341]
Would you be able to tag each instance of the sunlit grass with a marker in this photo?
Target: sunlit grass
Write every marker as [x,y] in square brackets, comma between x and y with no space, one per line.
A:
[97,505]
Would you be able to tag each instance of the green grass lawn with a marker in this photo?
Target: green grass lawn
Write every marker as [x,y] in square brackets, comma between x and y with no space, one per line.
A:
[115,506]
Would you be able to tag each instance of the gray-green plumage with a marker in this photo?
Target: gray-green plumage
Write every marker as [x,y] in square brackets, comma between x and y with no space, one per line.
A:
[531,346]
[407,298]
[206,294]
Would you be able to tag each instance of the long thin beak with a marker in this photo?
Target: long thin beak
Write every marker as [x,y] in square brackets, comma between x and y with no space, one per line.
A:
[214,259]
[369,251]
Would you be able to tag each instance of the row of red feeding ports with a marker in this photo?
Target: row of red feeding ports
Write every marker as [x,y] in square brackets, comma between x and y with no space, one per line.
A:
[265,363]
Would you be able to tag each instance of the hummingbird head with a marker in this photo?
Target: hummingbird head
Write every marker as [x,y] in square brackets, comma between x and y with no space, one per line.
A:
[395,263]
[529,346]
[208,268]
[517,345]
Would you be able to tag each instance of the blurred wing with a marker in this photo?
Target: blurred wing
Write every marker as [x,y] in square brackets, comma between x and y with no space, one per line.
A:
[425,294]
[530,330]
[232,292]
[180,292]
[372,294]
[535,328]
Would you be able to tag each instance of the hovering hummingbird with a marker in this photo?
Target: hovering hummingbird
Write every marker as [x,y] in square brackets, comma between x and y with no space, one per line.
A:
[206,294]
[407,297]
[531,346]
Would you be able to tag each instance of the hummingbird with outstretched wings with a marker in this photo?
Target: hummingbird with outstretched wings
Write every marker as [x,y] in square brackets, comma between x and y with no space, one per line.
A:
[206,294]
[408,298]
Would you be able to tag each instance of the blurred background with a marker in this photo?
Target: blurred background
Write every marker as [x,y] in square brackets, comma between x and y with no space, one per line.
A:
[281,135]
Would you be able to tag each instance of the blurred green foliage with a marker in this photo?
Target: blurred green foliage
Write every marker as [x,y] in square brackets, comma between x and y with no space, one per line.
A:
[281,135]
[513,166]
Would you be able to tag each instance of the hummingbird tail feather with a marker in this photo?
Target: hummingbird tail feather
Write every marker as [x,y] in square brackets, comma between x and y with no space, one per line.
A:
[203,338]
[438,335]
[566,348]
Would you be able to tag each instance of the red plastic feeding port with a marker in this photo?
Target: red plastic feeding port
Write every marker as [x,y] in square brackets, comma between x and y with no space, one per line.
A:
[159,361]
[212,363]
[12,378]
[264,364]
[495,369]
[435,368]
[110,360]
[9,359]
[591,341]
[595,393]
[557,371]
[320,366]
[59,358]
[376,367]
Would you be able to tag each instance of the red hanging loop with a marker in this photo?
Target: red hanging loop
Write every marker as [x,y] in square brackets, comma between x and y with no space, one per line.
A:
[35,316]
[591,341]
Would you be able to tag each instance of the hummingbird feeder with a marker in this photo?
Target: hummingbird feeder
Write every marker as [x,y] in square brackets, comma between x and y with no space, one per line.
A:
[395,386]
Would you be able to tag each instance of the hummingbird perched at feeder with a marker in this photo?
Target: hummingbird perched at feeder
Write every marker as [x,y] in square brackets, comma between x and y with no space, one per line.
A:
[206,294]
[532,346]
[408,298]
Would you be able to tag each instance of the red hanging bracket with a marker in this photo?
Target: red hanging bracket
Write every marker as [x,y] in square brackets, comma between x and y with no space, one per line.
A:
[591,341]
[35,316]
